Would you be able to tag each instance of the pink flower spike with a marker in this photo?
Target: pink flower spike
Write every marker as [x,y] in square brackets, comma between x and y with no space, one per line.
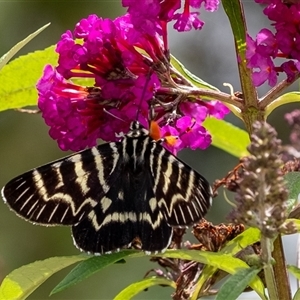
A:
[209,5]
[185,22]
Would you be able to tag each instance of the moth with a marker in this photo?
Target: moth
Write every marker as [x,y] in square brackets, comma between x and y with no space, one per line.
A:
[113,194]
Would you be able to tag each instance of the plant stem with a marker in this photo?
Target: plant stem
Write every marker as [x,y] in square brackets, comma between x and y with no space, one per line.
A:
[274,93]
[266,256]
[281,276]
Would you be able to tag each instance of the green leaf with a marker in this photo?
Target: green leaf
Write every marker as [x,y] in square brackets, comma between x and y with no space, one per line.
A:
[224,262]
[243,240]
[236,16]
[196,81]
[92,265]
[137,287]
[296,223]
[89,267]
[246,238]
[297,295]
[236,284]
[228,137]
[6,57]
[234,12]
[292,180]
[295,271]
[293,184]
[205,90]
[284,99]
[221,261]
[18,79]
[20,283]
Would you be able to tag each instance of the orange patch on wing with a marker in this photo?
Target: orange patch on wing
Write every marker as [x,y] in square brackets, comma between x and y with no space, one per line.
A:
[154,131]
[155,134]
[171,140]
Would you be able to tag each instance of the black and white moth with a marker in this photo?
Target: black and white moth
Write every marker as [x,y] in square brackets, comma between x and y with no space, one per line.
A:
[113,194]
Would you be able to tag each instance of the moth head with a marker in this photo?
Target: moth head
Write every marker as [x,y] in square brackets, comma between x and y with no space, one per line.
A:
[137,130]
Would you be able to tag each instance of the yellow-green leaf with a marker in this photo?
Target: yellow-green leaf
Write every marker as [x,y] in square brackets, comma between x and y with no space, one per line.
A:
[137,287]
[297,295]
[196,81]
[92,265]
[18,78]
[20,283]
[221,261]
[243,240]
[284,99]
[294,270]
[234,13]
[228,137]
[7,56]
[246,238]
[236,284]
[296,223]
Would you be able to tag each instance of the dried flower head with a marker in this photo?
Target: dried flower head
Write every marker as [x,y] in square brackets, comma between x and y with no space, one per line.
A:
[261,196]
[214,237]
[186,273]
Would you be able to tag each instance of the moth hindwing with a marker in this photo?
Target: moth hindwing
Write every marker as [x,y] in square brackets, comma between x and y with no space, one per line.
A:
[113,194]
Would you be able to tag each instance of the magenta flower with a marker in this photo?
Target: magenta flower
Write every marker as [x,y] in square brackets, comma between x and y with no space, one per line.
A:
[187,21]
[151,16]
[76,114]
[128,72]
[190,133]
[283,44]
[259,55]
[198,111]
[291,68]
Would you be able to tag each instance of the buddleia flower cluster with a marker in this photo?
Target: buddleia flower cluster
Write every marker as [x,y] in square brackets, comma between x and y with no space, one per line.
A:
[265,52]
[112,72]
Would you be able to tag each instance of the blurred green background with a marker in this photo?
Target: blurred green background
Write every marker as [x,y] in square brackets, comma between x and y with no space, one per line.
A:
[25,144]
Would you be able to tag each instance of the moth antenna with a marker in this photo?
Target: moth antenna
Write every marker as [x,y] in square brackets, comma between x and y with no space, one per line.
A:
[142,97]
[109,113]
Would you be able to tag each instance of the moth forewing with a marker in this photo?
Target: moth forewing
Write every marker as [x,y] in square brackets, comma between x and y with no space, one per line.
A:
[183,194]
[113,194]
[64,191]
